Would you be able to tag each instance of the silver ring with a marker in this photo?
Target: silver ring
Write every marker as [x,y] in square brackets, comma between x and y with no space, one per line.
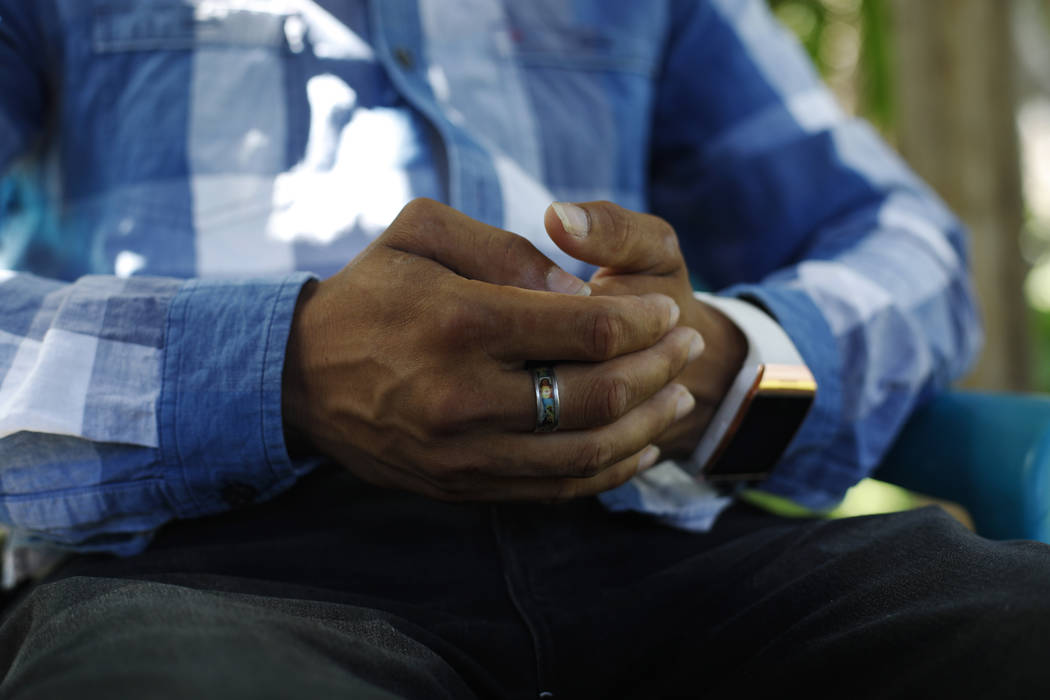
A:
[548,408]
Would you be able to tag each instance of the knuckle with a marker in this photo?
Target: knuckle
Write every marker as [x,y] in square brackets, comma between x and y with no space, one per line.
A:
[460,325]
[615,221]
[515,248]
[443,413]
[627,231]
[609,398]
[663,229]
[669,238]
[590,458]
[420,207]
[420,219]
[605,334]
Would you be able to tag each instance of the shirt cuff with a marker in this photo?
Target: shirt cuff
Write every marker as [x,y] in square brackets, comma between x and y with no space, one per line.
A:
[805,474]
[768,345]
[221,430]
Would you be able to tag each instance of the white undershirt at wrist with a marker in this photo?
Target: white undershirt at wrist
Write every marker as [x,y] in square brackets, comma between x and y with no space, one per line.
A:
[768,345]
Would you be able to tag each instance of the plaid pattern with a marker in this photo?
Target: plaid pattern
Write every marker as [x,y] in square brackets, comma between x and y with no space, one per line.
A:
[242,144]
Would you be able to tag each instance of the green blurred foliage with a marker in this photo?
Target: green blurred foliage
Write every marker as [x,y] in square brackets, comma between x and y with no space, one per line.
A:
[1039,323]
[829,28]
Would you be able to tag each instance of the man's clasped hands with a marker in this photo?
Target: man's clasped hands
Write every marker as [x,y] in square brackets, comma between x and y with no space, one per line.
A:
[409,366]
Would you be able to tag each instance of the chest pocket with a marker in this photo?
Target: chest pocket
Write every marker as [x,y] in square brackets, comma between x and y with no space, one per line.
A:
[181,112]
[592,86]
[584,48]
[162,76]
[151,26]
[203,86]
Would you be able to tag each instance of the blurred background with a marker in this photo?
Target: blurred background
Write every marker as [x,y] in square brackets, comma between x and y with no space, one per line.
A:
[962,89]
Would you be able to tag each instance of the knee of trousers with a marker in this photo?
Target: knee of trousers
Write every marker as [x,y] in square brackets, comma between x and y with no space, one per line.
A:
[166,640]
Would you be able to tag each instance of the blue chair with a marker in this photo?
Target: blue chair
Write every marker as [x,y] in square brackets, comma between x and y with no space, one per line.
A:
[988,452]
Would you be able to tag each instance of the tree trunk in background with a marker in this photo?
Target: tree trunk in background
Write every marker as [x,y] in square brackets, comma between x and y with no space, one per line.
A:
[955,125]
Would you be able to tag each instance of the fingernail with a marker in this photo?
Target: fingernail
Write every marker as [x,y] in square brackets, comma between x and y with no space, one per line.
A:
[675,312]
[684,406]
[648,458]
[696,346]
[560,281]
[573,219]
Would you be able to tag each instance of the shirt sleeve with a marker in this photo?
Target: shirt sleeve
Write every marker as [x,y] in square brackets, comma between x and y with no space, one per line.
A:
[781,199]
[126,403]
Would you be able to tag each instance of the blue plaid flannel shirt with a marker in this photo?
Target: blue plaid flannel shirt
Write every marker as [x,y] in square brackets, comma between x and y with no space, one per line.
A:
[176,170]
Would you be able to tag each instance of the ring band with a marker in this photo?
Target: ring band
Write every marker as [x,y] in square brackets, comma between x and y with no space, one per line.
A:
[548,408]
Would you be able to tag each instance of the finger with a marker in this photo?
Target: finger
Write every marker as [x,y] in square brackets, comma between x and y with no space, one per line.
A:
[565,489]
[518,324]
[463,465]
[475,250]
[496,488]
[584,453]
[592,395]
[610,236]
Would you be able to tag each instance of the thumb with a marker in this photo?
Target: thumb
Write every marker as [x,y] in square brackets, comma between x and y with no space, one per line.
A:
[607,235]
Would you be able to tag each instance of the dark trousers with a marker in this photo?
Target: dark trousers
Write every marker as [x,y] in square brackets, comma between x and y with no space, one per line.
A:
[338,589]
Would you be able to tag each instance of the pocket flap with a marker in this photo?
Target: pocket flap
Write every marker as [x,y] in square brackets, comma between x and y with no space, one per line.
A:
[131,26]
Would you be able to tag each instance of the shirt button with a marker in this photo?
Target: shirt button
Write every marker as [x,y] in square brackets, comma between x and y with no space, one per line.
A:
[238,494]
[404,58]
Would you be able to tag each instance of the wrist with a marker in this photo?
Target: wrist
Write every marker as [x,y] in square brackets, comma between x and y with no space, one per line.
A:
[708,377]
[294,383]
[725,349]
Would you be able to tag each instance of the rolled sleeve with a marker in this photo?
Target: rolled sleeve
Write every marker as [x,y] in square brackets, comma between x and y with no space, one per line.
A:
[222,435]
[804,473]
